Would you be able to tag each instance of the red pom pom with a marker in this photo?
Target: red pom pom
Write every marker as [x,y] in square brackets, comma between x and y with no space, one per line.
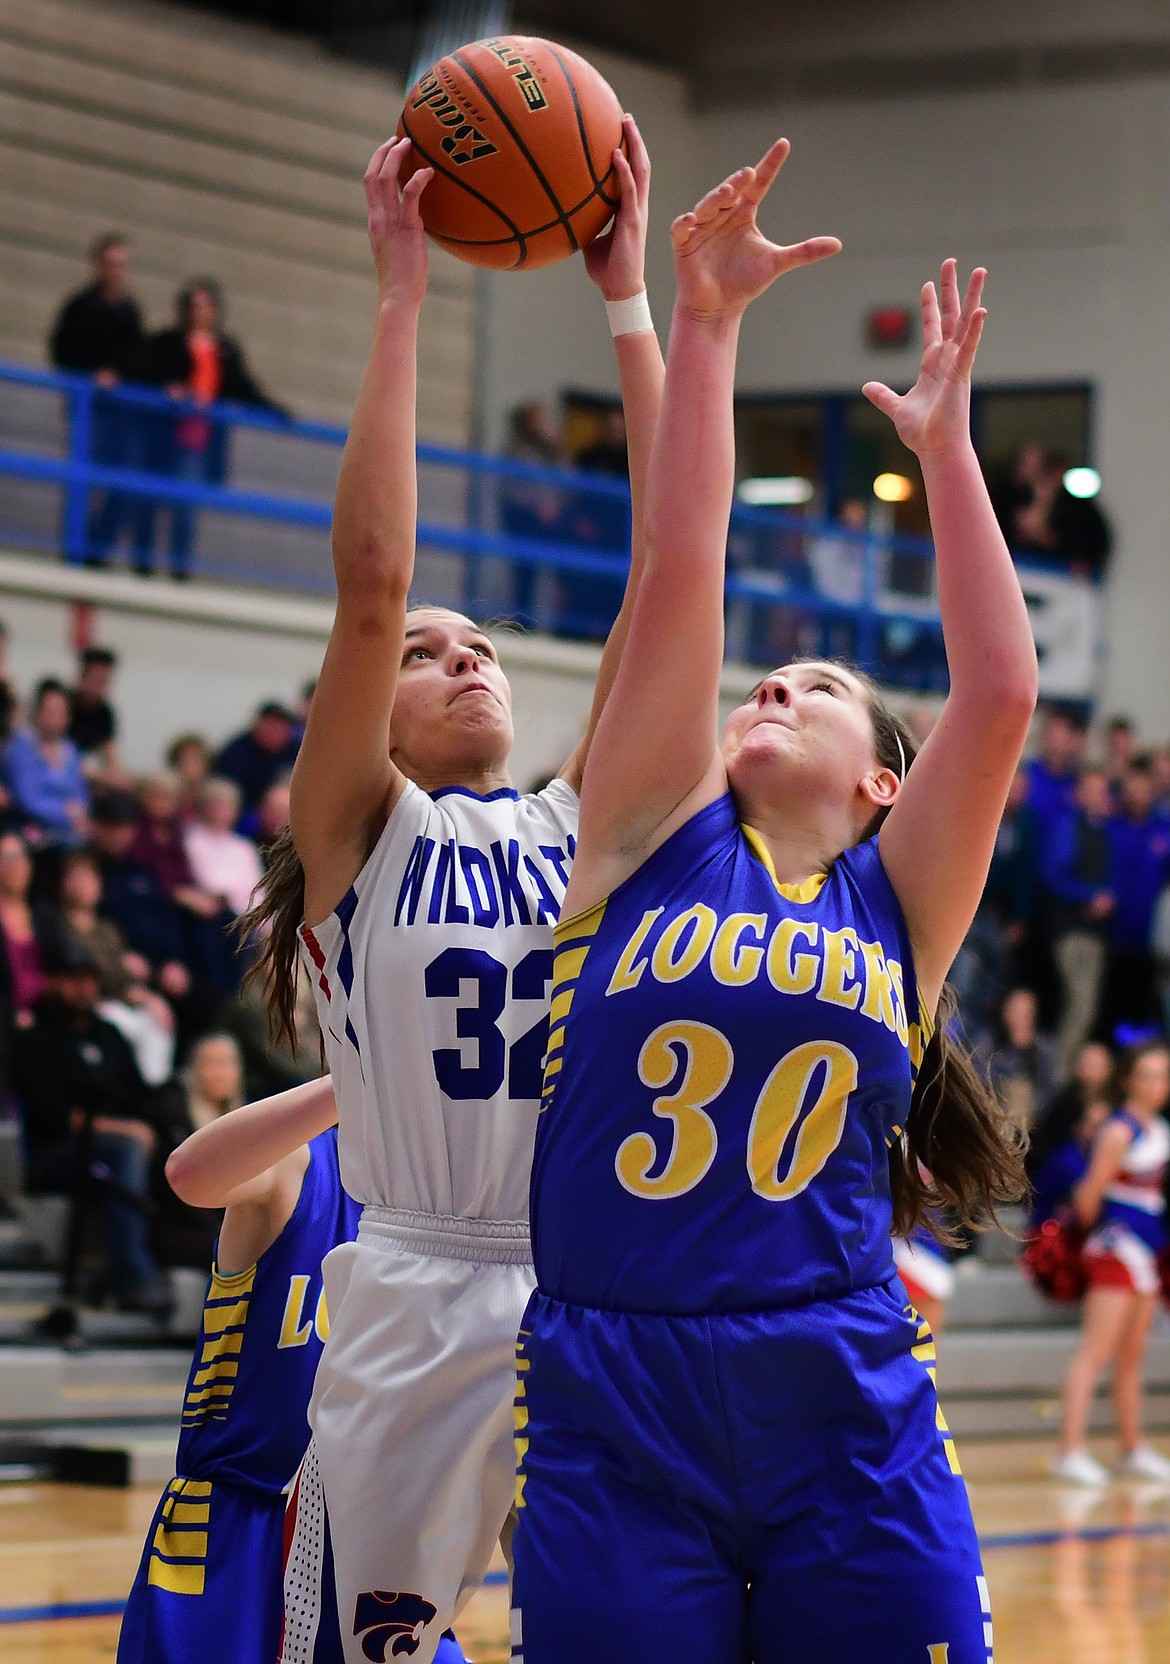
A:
[1053,1259]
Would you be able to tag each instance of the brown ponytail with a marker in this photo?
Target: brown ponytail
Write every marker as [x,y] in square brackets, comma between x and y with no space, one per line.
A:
[961,1154]
[274,922]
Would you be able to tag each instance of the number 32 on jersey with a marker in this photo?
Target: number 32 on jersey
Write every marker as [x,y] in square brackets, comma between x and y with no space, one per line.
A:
[810,1085]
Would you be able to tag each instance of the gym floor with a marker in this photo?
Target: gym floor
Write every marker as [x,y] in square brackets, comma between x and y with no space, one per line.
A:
[1076,1577]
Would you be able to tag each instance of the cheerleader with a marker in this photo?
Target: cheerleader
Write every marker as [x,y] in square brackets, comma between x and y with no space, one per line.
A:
[1121,1202]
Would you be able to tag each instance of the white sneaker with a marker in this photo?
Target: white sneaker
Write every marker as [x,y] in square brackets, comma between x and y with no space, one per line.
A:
[1144,1462]
[1077,1467]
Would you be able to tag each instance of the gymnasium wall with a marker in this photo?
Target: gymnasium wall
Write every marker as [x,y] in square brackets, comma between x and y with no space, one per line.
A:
[1061,191]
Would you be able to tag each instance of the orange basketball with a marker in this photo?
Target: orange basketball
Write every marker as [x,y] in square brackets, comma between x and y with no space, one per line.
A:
[521,135]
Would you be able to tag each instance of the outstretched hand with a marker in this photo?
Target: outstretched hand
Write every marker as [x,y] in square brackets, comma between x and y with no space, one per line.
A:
[616,261]
[722,258]
[396,231]
[936,412]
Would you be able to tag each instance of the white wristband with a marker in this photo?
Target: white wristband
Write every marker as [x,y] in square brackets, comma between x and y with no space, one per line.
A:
[629,317]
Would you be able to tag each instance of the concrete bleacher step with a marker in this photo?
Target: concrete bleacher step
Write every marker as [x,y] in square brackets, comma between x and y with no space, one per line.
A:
[996,1382]
[42,1386]
[28,1296]
[990,1295]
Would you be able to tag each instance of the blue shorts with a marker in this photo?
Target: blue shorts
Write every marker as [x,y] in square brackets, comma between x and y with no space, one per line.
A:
[772,1487]
[210,1586]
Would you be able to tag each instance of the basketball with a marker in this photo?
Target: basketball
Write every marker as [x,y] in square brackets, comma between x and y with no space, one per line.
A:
[521,135]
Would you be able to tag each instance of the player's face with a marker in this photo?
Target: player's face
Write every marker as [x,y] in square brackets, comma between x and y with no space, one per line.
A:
[453,705]
[807,723]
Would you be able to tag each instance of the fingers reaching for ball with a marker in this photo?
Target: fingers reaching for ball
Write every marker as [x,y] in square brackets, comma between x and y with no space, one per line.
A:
[395,226]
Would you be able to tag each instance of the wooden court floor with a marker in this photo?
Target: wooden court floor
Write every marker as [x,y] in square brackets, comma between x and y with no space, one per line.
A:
[1075,1578]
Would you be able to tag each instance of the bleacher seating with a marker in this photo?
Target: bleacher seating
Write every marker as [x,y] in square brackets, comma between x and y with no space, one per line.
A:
[242,159]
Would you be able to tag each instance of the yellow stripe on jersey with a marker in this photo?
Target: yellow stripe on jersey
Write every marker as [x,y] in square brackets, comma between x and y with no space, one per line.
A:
[225,1312]
[572,938]
[178,1550]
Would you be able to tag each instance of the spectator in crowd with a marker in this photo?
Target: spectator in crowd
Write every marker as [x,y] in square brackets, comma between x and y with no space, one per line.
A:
[1040,516]
[93,723]
[531,509]
[1077,874]
[304,705]
[71,1066]
[1160,771]
[9,704]
[135,900]
[1020,1065]
[260,755]
[196,362]
[189,760]
[125,997]
[159,843]
[1139,840]
[269,819]
[98,332]
[26,933]
[996,950]
[1054,771]
[837,561]
[1160,952]
[214,1079]
[224,864]
[1120,751]
[587,602]
[1089,1085]
[50,795]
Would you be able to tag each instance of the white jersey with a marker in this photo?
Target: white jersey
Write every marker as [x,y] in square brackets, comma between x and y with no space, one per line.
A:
[432,980]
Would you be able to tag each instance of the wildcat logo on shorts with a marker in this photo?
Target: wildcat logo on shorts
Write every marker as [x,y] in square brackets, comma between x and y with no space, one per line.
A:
[391,1625]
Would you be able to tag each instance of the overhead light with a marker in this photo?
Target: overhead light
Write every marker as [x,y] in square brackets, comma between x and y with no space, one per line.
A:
[893,488]
[1082,482]
[778,491]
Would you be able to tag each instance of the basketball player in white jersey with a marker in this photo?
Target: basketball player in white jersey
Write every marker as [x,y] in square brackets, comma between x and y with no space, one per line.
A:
[430,890]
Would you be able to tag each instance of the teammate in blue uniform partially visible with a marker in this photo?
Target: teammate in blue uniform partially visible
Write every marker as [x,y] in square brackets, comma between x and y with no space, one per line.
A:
[729,1443]
[209,1582]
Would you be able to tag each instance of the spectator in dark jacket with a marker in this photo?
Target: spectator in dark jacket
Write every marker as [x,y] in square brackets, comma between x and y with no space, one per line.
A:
[70,1065]
[261,754]
[1077,870]
[99,333]
[134,898]
[1053,774]
[93,722]
[1139,841]
[199,364]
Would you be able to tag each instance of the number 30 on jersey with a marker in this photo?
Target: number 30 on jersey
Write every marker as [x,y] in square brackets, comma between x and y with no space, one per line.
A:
[810,1085]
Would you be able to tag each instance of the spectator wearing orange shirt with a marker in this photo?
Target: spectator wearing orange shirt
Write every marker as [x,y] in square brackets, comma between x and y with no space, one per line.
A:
[196,362]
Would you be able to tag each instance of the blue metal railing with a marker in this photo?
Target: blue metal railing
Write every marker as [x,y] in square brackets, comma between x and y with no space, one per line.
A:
[495,536]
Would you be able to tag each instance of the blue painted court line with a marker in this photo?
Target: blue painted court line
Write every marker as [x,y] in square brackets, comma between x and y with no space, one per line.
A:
[62,1609]
[1079,1534]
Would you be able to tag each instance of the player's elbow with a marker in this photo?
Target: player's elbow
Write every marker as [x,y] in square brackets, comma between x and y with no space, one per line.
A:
[186,1180]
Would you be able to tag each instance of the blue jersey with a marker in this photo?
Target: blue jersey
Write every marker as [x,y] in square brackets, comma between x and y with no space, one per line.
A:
[730,1060]
[245,1412]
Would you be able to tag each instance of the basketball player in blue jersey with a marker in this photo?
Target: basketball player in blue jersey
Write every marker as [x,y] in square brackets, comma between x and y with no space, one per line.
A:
[209,1583]
[729,1443]
[422,890]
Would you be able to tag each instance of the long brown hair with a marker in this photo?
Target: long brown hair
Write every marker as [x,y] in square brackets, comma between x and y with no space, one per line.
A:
[273,924]
[961,1154]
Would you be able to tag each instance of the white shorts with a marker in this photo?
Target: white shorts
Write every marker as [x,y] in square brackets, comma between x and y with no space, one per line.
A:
[412,1428]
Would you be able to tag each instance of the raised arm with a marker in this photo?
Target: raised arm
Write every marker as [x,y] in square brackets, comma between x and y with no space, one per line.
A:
[938,838]
[344,784]
[229,1159]
[616,262]
[655,759]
